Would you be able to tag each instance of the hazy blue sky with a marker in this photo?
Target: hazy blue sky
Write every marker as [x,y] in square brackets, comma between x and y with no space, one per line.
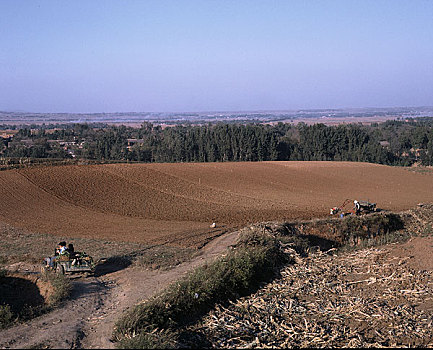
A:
[180,55]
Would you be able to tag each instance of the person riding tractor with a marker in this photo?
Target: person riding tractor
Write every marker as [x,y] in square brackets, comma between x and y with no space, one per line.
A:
[61,250]
[67,260]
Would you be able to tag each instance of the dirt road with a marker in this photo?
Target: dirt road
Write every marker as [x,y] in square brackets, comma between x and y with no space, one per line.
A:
[87,319]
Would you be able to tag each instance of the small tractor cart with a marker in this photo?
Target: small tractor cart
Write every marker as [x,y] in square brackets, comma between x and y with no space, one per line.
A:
[76,262]
[364,207]
[359,208]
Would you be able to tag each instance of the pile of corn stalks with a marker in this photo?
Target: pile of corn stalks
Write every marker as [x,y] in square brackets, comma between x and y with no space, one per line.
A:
[362,299]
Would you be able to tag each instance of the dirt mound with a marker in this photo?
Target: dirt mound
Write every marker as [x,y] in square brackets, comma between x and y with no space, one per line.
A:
[176,203]
[24,292]
[418,252]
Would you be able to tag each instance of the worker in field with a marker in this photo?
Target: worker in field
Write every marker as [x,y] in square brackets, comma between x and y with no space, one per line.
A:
[357,207]
[60,251]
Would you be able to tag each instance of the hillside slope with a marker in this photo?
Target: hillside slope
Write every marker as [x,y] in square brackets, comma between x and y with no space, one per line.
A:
[176,203]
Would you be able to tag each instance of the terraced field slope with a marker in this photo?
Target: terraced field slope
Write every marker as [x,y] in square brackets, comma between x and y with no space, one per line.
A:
[176,203]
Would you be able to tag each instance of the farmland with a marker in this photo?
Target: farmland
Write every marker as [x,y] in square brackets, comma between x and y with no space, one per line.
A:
[157,214]
[177,203]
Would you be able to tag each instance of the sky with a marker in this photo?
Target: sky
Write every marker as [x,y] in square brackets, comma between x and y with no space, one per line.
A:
[187,56]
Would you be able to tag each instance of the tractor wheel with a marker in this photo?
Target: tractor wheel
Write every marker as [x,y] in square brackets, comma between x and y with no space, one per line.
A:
[60,269]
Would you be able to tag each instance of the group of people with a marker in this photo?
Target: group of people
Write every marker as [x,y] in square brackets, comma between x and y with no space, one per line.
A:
[61,250]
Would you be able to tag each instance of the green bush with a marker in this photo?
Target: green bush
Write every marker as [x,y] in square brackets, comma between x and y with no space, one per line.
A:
[163,257]
[7,317]
[162,339]
[358,229]
[61,287]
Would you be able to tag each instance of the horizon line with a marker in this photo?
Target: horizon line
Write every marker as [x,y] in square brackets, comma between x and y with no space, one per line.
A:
[226,111]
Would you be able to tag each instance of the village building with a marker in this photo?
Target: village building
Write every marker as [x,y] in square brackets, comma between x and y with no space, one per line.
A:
[132,142]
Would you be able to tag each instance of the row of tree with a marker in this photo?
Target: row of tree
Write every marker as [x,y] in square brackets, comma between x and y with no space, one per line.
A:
[392,142]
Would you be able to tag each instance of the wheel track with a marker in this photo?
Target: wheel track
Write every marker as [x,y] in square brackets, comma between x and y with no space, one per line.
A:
[87,320]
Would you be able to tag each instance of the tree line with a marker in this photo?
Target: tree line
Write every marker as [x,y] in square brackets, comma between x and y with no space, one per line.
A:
[391,142]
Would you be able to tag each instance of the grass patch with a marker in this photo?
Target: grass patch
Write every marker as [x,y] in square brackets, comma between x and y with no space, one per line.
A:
[376,228]
[61,287]
[18,245]
[152,339]
[420,169]
[7,317]
[163,257]
[254,260]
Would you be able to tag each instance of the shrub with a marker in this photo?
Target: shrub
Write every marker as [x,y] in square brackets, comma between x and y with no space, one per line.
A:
[61,287]
[162,339]
[6,316]
[357,230]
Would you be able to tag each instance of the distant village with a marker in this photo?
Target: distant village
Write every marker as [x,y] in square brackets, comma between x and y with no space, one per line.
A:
[69,148]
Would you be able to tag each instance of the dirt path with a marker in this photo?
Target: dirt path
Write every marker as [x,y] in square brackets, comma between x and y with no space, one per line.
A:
[87,319]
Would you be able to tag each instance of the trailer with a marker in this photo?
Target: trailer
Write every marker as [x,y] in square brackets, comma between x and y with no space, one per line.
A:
[76,263]
[364,207]
[359,208]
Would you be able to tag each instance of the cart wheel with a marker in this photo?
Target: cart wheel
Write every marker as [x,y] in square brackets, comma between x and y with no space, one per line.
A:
[60,269]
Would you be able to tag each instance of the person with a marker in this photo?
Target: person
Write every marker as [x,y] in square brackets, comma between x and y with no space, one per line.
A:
[357,207]
[72,254]
[71,249]
[60,250]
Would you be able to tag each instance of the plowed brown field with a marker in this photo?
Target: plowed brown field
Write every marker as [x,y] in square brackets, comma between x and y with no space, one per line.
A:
[176,203]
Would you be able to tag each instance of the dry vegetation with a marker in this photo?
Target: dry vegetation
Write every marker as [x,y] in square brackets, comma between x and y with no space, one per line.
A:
[362,299]
[350,297]
[374,297]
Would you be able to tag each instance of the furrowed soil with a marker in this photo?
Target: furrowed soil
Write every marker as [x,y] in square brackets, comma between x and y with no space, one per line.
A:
[176,203]
[116,209]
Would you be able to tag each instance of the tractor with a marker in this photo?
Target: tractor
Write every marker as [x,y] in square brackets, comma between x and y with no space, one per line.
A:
[76,262]
[364,207]
[359,207]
